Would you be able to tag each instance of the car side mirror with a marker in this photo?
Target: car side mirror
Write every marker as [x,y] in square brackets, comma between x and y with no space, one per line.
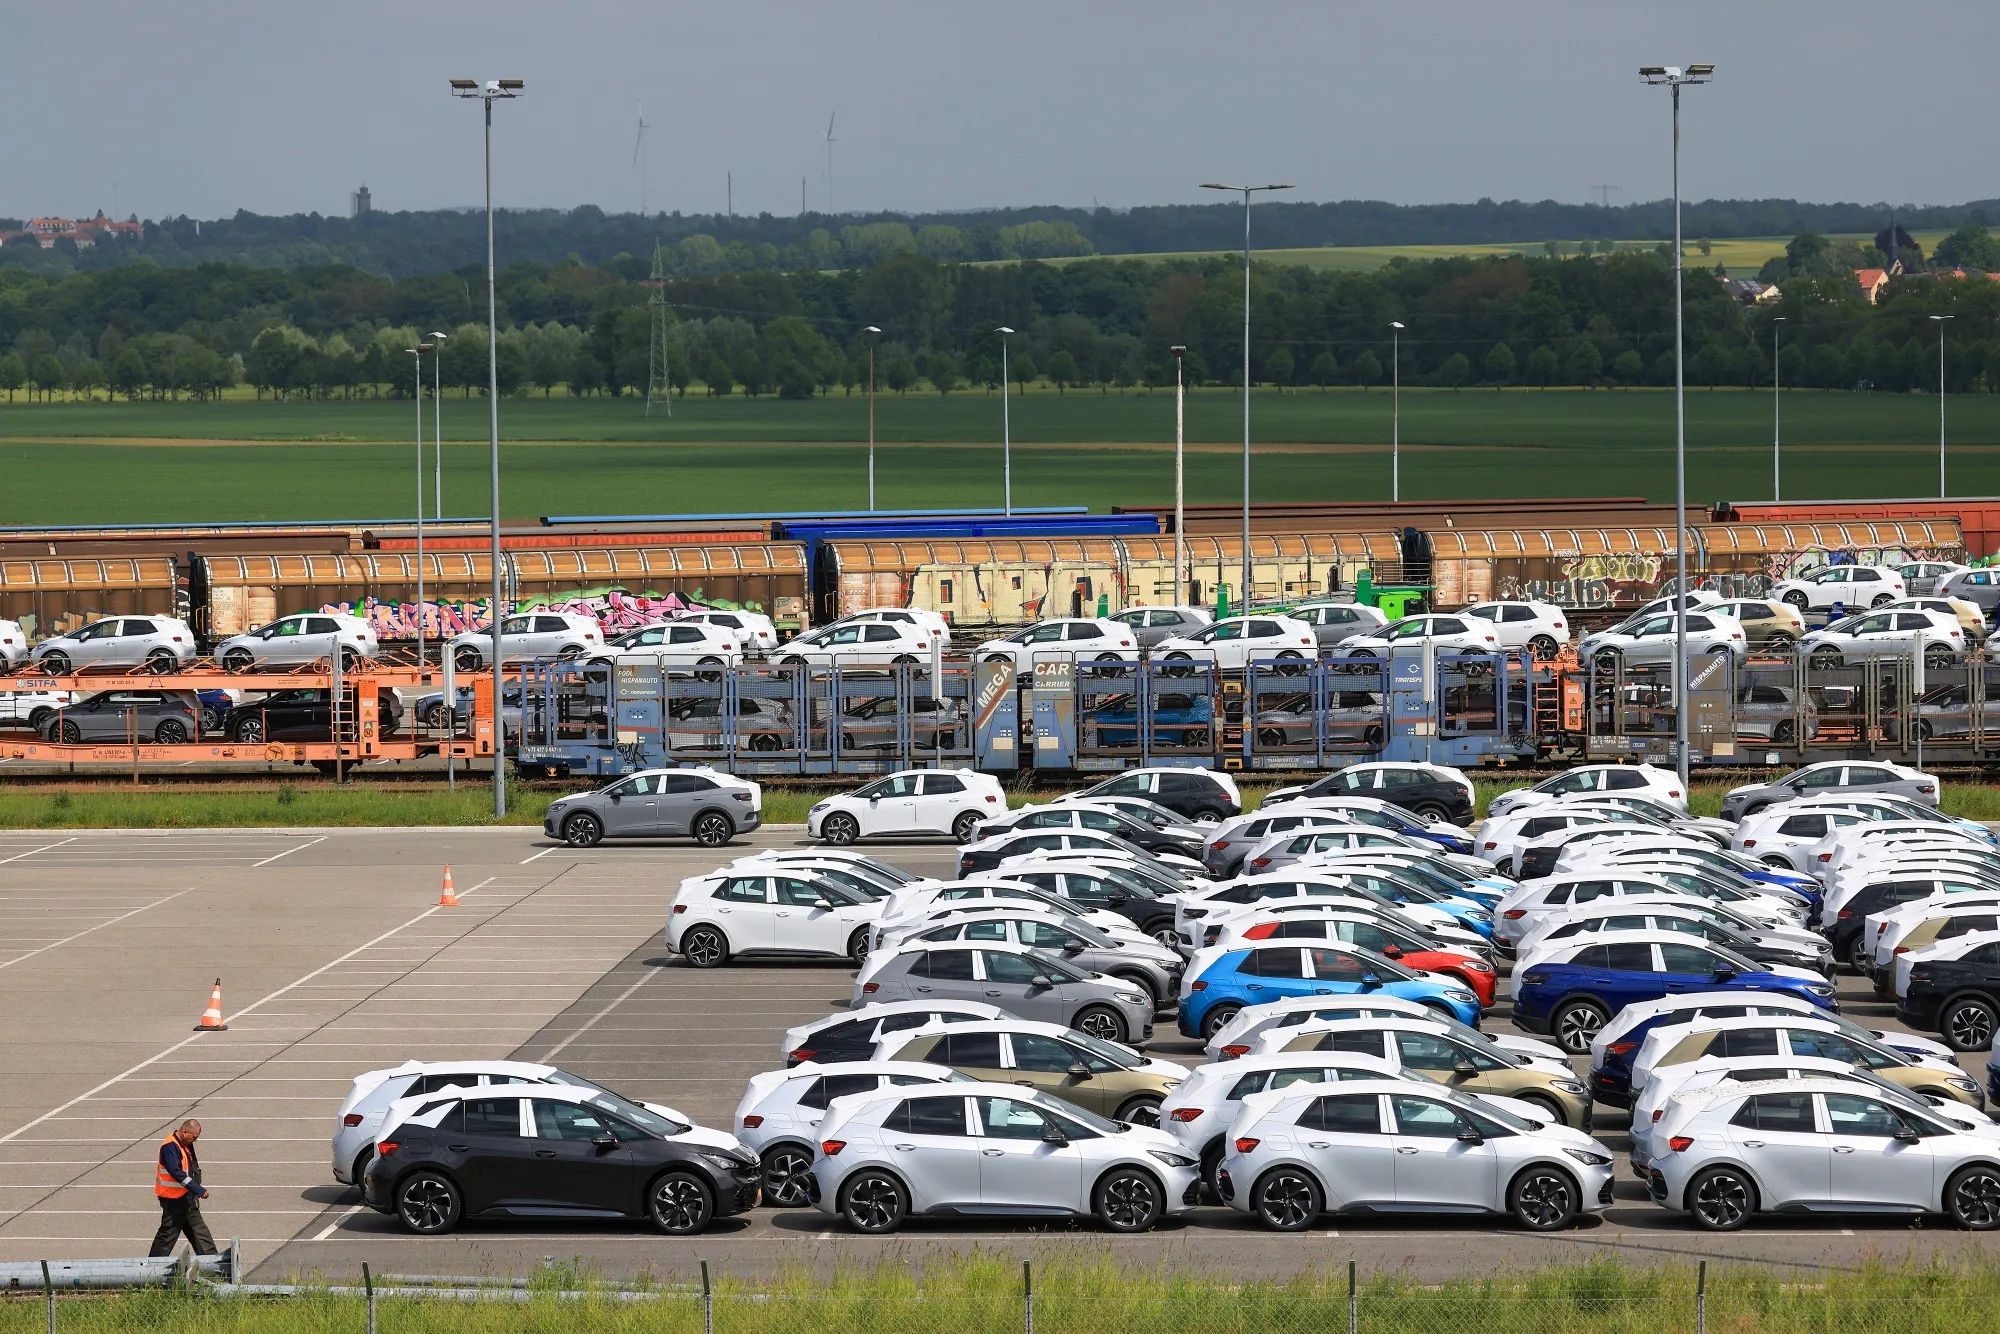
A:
[1074,947]
[1465,1067]
[1041,980]
[1370,981]
[1468,1135]
[1724,975]
[1118,898]
[604,1143]
[1078,1070]
[1906,1133]
[1054,1136]
[821,903]
[1392,951]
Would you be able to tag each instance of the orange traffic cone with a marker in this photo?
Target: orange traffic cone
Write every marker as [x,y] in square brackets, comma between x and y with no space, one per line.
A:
[448,899]
[211,1018]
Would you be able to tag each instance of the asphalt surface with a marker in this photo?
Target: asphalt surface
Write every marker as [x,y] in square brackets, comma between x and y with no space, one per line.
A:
[334,960]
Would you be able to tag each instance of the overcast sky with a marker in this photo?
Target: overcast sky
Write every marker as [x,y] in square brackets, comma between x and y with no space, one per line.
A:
[206,106]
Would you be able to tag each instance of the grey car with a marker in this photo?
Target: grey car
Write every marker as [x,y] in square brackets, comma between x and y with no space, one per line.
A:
[166,716]
[1153,967]
[1920,578]
[1766,712]
[709,807]
[1030,983]
[1150,625]
[153,643]
[1352,715]
[1979,587]
[1831,778]
[1337,622]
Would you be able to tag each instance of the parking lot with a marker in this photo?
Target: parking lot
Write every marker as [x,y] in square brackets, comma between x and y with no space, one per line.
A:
[335,959]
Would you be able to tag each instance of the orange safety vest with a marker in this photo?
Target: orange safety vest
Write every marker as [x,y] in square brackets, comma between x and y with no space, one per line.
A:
[164,1184]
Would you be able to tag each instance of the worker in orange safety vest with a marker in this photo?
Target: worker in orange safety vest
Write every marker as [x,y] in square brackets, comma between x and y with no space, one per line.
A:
[177,1184]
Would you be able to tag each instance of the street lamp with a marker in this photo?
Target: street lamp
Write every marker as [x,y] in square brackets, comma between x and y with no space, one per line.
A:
[1243,594]
[1675,78]
[1396,410]
[871,329]
[437,432]
[1940,324]
[493,90]
[1777,491]
[1180,438]
[417,394]
[1006,429]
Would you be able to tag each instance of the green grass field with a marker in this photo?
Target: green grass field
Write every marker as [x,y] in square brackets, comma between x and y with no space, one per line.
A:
[183,462]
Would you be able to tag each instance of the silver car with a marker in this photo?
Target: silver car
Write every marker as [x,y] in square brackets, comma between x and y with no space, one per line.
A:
[296,640]
[702,804]
[1337,622]
[1979,587]
[1153,967]
[1149,625]
[543,634]
[152,643]
[137,716]
[1768,712]
[1026,982]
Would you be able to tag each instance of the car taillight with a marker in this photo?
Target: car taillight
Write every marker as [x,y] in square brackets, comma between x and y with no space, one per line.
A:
[1621,1048]
[1826,856]
[1246,1145]
[752,1122]
[1219,845]
[802,1055]
[1490,846]
[1673,794]
[832,1147]
[1515,914]
[1844,914]
[922,644]
[1533,979]
[990,798]
[385,1148]
[1900,949]
[1234,1050]
[1659,1112]
[870,988]
[1261,861]
[1680,1143]
[1749,842]
[680,907]
[351,1119]
[1262,931]
[1197,986]
[1186,1114]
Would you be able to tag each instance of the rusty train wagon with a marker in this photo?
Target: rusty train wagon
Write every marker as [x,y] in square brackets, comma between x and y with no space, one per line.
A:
[52,595]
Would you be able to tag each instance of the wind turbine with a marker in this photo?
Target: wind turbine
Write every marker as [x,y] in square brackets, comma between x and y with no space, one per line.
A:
[829,163]
[638,156]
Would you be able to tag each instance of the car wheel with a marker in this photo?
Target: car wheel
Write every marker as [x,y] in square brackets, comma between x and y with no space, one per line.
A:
[1179,664]
[1430,811]
[788,1178]
[1209,813]
[583,830]
[705,947]
[903,660]
[1166,935]
[1544,1199]
[712,829]
[1575,1023]
[1781,733]
[1795,600]
[1211,1165]
[1882,599]
[840,829]
[874,1203]
[1286,1199]
[791,662]
[1543,647]
[55,664]
[1291,663]
[1271,736]
[349,660]
[1218,1019]
[1972,1198]
[680,1204]
[995,659]
[1606,660]
[238,660]
[764,741]
[1780,642]
[1825,662]
[1141,1111]
[1966,1023]
[857,946]
[211,718]
[160,662]
[465,660]
[708,669]
[1100,1021]
[68,732]
[361,1161]
[1938,659]
[249,731]
[1858,953]
[40,716]
[1721,1199]
[1547,1106]
[170,732]
[965,826]
[1129,1200]
[428,1203]
[1371,735]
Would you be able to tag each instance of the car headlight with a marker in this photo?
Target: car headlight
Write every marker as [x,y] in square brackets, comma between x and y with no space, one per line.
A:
[723,1162]
[1479,915]
[1963,1084]
[1819,989]
[1587,1158]
[1461,995]
[1132,998]
[818,808]
[1569,1086]
[1182,1160]
[1476,966]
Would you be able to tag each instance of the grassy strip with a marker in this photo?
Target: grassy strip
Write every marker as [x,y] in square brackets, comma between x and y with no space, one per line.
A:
[981,1294]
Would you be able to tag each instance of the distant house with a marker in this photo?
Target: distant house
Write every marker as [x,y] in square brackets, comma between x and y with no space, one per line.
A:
[1872,282]
[1751,292]
[86,232]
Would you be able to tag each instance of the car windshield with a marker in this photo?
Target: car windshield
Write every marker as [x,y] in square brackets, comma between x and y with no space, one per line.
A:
[863,890]
[1069,1111]
[1382,968]
[1868,1036]
[1733,959]
[1122,1057]
[646,1119]
[838,896]
[1056,968]
[1474,1103]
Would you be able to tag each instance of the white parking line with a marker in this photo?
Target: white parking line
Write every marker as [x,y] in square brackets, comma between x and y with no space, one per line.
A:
[556,1050]
[543,853]
[287,852]
[32,851]
[332,1227]
[99,927]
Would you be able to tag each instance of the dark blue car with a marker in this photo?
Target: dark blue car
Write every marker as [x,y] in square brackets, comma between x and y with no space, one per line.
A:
[1178,720]
[1225,982]
[1402,822]
[1570,1001]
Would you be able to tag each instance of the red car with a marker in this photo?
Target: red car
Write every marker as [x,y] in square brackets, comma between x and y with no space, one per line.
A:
[1405,947]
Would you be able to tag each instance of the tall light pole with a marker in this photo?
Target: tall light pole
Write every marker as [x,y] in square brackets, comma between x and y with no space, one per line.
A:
[1675,78]
[417,393]
[1243,594]
[1940,324]
[1396,410]
[876,334]
[1777,489]
[1180,473]
[491,91]
[437,432]
[1006,429]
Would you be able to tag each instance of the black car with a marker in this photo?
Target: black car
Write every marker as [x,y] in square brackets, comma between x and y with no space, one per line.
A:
[1844,933]
[561,1153]
[1424,794]
[1195,793]
[301,715]
[1108,888]
[1958,999]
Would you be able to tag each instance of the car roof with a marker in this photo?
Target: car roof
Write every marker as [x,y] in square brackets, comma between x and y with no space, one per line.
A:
[1036,1026]
[814,1069]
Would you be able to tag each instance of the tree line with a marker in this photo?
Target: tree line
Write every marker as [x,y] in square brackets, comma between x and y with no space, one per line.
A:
[1599,321]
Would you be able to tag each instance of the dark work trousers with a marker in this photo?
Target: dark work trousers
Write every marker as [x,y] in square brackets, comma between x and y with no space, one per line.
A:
[180,1218]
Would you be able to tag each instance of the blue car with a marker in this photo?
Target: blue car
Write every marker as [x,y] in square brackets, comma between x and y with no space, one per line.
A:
[1571,1001]
[215,707]
[1391,886]
[1400,822]
[1228,981]
[1178,720]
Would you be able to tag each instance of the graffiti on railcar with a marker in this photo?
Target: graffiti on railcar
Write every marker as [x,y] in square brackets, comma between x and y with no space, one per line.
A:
[617,609]
[1604,582]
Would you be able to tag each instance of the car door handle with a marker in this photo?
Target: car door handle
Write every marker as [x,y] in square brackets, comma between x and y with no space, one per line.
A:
[1843,1148]
[457,1148]
[1025,1083]
[993,1153]
[1753,1143]
[545,1153]
[1322,991]
[1404,1149]
[1318,1144]
[906,1147]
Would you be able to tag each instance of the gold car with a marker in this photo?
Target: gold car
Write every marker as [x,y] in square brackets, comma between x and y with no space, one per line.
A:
[1769,1036]
[1767,623]
[1098,1076]
[1970,619]
[1426,1049]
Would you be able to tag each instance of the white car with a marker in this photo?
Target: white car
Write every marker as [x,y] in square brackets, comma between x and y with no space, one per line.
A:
[752,631]
[1688,1007]
[358,1123]
[1199,1110]
[1072,640]
[1448,635]
[780,1113]
[528,637]
[1670,1045]
[674,644]
[931,623]
[1816,1145]
[1962,1019]
[1842,848]
[1390,1145]
[1671,909]
[1779,836]
[296,640]
[1700,597]
[920,902]
[1334,623]
[1146,964]
[33,707]
[149,643]
[13,644]
[1528,909]
[1247,1027]
[1640,780]
[864,644]
[993,1149]
[1542,628]
[851,1035]
[1234,643]
[1231,841]
[914,801]
[1886,634]
[1198,918]
[1502,837]
[1279,852]
[1652,641]
[1850,586]
[757,909]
